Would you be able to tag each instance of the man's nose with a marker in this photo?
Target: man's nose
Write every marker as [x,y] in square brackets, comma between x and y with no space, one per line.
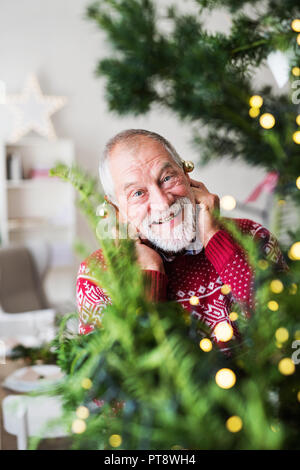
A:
[159,200]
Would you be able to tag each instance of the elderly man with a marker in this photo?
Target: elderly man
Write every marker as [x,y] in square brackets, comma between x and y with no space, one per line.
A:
[184,250]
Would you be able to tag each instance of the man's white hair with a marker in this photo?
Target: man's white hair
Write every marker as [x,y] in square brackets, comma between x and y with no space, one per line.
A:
[129,137]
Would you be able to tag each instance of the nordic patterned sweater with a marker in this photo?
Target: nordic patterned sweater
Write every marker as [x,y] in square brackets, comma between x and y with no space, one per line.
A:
[200,274]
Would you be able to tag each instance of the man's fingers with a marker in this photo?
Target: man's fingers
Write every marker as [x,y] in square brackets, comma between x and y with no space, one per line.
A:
[198,184]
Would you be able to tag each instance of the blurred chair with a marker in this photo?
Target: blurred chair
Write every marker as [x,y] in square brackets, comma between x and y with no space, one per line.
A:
[23,303]
[25,416]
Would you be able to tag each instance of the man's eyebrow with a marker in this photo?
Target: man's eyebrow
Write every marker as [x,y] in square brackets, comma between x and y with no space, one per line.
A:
[127,185]
[166,165]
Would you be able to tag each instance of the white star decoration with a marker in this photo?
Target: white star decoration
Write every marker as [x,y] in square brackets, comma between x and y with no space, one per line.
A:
[32,111]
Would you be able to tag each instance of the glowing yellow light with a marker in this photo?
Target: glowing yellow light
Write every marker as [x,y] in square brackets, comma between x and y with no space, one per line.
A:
[263,264]
[82,412]
[296,71]
[86,383]
[296,137]
[233,316]
[254,112]
[256,101]
[205,344]
[296,25]
[286,366]
[194,300]
[274,427]
[282,335]
[115,440]
[225,289]
[293,289]
[223,331]
[225,378]
[281,202]
[234,424]
[298,119]
[298,396]
[276,286]
[298,39]
[294,251]
[297,334]
[273,305]
[267,121]
[78,426]
[228,203]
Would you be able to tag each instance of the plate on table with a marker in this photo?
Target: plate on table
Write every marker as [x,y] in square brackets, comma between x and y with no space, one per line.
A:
[31,378]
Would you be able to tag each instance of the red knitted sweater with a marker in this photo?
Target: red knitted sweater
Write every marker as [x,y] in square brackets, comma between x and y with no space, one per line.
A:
[201,275]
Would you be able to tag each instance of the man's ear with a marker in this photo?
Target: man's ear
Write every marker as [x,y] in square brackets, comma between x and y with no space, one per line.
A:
[188,178]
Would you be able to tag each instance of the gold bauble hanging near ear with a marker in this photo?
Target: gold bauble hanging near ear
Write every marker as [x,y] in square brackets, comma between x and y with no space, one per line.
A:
[188,166]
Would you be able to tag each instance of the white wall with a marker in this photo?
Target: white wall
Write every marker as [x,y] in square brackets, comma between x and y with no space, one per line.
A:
[52,39]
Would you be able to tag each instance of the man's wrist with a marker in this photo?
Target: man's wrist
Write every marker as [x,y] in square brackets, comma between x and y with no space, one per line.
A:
[209,235]
[155,267]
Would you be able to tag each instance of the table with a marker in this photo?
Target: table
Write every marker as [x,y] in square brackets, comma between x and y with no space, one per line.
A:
[8,441]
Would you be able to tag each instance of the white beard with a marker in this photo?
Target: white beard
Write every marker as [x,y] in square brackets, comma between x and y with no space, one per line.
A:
[179,237]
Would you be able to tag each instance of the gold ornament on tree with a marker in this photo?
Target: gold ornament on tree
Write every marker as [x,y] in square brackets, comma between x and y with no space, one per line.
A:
[188,166]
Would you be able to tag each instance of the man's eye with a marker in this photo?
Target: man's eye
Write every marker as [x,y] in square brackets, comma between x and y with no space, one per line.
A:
[137,193]
[167,178]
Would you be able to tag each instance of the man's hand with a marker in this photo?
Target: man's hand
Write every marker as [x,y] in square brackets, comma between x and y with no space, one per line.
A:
[209,203]
[148,259]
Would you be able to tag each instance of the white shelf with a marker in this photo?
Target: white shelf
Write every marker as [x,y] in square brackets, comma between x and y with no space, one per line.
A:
[39,208]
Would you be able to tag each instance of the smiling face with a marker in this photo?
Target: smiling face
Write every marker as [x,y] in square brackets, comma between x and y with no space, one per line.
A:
[153,193]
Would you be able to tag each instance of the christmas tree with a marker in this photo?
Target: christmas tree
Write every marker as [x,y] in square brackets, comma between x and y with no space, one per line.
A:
[162,382]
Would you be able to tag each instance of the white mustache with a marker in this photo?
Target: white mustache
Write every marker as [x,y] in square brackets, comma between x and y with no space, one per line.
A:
[165,216]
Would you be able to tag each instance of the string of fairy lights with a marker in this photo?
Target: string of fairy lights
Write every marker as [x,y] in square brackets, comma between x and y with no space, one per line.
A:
[225,378]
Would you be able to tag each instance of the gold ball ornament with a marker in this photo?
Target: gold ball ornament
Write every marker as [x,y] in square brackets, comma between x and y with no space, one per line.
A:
[298,182]
[188,166]
[298,120]
[102,210]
